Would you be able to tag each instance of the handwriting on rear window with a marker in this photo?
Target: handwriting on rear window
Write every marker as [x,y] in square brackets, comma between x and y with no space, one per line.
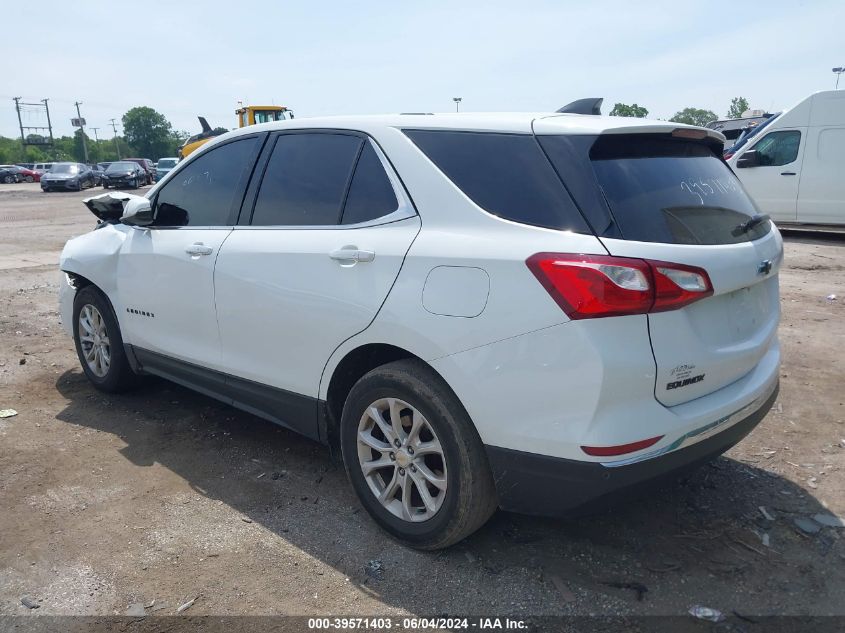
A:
[707,187]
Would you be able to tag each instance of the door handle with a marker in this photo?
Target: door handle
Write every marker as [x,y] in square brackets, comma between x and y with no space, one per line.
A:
[788,173]
[352,255]
[198,248]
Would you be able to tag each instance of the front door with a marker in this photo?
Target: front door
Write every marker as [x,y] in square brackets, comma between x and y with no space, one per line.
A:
[166,271]
[773,184]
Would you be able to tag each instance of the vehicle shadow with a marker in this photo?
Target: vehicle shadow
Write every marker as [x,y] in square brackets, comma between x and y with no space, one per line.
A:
[691,542]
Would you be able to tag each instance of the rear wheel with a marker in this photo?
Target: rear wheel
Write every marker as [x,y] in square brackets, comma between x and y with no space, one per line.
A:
[8,179]
[30,179]
[414,457]
[99,344]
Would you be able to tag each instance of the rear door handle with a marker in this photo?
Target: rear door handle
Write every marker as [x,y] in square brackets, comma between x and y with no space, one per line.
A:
[352,255]
[198,248]
[788,173]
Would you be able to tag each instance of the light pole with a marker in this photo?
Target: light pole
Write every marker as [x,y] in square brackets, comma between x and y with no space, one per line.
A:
[838,70]
[457,101]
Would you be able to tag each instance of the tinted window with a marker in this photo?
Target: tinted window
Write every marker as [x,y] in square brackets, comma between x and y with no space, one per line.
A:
[662,189]
[306,179]
[370,195]
[505,174]
[202,194]
[778,148]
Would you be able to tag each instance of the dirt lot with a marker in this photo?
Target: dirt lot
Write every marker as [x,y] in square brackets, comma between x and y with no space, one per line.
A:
[112,501]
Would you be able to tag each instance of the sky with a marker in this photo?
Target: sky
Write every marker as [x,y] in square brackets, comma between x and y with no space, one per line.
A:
[186,58]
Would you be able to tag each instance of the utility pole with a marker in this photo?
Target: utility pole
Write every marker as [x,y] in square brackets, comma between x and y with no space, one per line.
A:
[116,144]
[457,101]
[96,138]
[82,130]
[49,124]
[838,71]
[17,101]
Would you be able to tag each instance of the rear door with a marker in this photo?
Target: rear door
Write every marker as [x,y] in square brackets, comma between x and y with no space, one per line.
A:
[312,261]
[675,200]
[821,196]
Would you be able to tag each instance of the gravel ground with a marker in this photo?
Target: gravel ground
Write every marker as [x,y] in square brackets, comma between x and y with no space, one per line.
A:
[108,503]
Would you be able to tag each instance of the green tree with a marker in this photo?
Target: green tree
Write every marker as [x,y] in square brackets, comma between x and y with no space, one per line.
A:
[694,116]
[634,110]
[149,132]
[738,106]
[78,150]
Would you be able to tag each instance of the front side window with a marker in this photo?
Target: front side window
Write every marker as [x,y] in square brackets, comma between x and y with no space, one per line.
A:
[306,179]
[203,193]
[778,148]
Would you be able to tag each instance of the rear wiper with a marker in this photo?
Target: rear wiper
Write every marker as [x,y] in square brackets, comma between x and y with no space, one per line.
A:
[750,224]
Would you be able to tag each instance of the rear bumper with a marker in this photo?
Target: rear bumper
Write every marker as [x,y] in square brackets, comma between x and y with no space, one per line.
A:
[543,485]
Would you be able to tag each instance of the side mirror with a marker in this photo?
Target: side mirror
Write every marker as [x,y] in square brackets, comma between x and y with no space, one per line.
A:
[749,159]
[137,211]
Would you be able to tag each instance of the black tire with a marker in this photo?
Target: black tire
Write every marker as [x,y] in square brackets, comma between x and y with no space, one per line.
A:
[30,179]
[105,185]
[8,180]
[470,495]
[119,376]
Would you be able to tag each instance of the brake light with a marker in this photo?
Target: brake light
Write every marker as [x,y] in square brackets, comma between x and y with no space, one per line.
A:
[594,286]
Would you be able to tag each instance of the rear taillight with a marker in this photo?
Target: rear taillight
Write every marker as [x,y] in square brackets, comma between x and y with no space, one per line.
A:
[593,286]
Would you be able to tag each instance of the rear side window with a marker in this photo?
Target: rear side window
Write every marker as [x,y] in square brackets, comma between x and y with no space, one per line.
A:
[663,189]
[778,148]
[306,179]
[370,195]
[505,174]
[203,192]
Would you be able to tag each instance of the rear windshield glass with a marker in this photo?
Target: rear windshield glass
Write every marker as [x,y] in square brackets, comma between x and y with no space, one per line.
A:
[65,168]
[121,167]
[662,189]
[164,163]
[505,174]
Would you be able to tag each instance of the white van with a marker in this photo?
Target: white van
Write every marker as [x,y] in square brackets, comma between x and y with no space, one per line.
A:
[795,170]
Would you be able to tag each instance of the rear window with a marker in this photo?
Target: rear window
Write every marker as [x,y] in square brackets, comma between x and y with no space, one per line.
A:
[504,174]
[663,189]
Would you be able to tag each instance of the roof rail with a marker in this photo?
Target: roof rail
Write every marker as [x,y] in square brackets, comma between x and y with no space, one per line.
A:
[590,105]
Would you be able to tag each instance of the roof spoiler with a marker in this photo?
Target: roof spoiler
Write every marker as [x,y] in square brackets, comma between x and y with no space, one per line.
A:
[590,105]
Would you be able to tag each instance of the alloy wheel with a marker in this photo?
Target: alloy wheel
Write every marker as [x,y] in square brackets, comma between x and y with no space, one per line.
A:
[402,459]
[94,340]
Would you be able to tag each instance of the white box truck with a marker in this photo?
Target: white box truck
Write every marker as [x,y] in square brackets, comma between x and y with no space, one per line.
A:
[795,170]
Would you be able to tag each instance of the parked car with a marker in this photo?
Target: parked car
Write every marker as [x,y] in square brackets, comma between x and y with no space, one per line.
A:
[98,175]
[425,292]
[74,176]
[124,173]
[27,174]
[8,175]
[42,168]
[164,166]
[14,171]
[745,136]
[147,166]
[794,168]
[103,166]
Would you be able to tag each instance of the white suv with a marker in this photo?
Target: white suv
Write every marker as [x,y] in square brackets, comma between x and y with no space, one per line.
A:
[513,310]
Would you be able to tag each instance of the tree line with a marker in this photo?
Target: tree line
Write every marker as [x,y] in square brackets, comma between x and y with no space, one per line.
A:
[691,116]
[146,134]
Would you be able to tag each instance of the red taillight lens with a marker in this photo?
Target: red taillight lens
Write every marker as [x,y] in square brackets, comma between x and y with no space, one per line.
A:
[593,286]
[622,449]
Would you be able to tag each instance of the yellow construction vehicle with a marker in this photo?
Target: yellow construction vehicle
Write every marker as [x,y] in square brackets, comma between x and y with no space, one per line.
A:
[250,115]
[247,115]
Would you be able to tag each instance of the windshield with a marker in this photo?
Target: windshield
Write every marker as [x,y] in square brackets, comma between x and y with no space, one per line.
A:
[65,168]
[266,116]
[121,167]
[167,163]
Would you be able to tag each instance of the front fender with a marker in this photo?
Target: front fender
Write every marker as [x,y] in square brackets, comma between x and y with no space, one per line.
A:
[94,256]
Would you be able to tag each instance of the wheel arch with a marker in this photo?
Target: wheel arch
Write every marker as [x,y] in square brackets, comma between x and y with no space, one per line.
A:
[355,363]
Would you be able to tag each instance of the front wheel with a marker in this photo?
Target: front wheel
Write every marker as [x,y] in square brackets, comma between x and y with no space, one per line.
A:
[99,344]
[30,179]
[8,180]
[414,456]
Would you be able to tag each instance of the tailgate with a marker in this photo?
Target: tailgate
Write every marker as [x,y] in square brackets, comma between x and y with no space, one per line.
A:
[711,343]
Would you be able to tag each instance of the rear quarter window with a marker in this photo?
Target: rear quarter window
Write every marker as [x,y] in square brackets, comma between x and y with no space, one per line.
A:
[505,174]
